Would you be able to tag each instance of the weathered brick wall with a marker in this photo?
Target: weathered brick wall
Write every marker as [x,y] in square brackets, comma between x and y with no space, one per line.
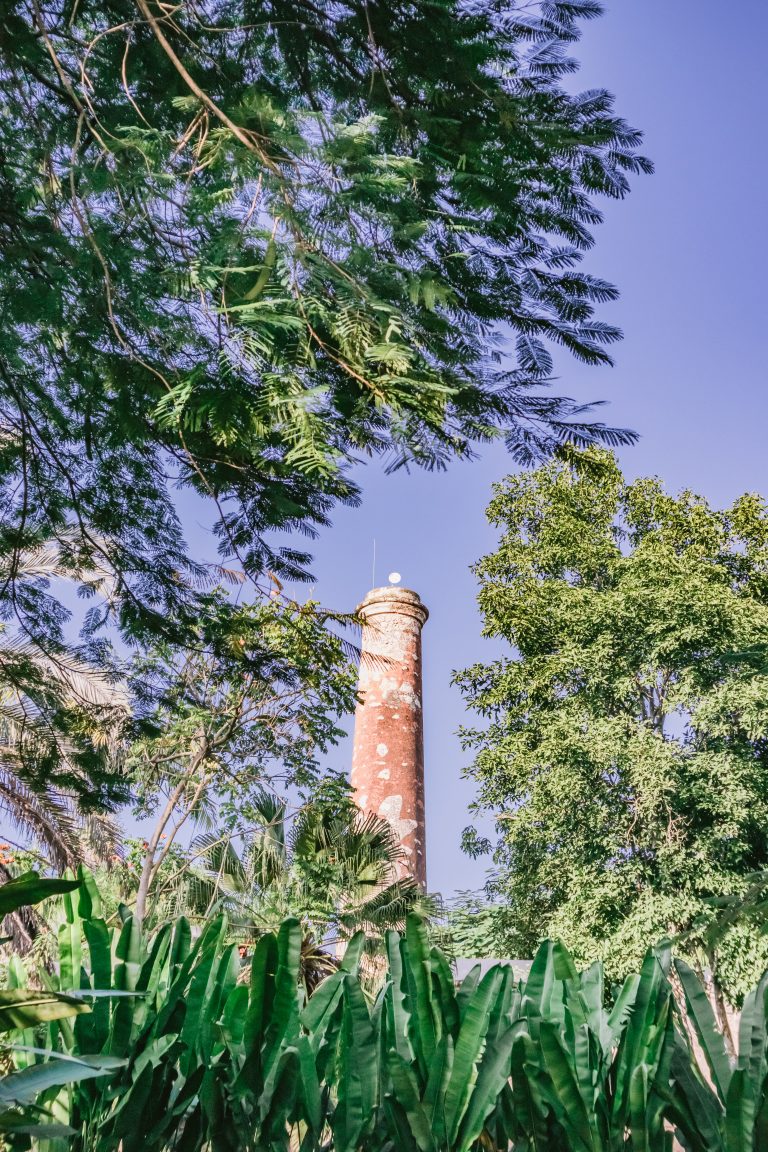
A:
[388,753]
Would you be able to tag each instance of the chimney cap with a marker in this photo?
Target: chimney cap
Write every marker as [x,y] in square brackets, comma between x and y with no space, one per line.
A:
[395,600]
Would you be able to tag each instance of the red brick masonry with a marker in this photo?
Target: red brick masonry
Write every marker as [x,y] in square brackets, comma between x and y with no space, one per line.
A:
[388,754]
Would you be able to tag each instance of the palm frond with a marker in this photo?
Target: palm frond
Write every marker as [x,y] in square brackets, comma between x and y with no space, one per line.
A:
[47,818]
[389,907]
[217,858]
[60,560]
[266,856]
[64,671]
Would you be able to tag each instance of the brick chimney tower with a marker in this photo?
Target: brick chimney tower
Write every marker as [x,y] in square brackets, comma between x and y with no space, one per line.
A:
[388,753]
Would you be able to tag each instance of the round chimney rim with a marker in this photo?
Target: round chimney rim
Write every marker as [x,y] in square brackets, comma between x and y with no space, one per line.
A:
[393,599]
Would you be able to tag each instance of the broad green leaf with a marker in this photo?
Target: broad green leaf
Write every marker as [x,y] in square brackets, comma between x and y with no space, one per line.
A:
[22,1088]
[28,1007]
[417,974]
[358,1073]
[406,1092]
[397,1003]
[30,888]
[470,1044]
[437,1083]
[575,1114]
[705,1025]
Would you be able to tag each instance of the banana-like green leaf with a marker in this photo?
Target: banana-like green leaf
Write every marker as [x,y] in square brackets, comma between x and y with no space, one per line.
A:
[353,953]
[126,1019]
[692,1106]
[21,1088]
[469,1049]
[92,1034]
[591,995]
[530,1107]
[649,1013]
[740,1107]
[19,1124]
[752,1034]
[210,983]
[541,981]
[445,990]
[215,1063]
[708,1034]
[129,1116]
[277,1098]
[89,905]
[396,1008]
[311,1095]
[621,1011]
[434,1096]
[358,1072]
[638,1102]
[31,888]
[70,946]
[284,1023]
[321,1014]
[233,1016]
[129,953]
[467,989]
[573,1111]
[418,978]
[492,1077]
[261,995]
[406,1091]
[28,1007]
[760,1129]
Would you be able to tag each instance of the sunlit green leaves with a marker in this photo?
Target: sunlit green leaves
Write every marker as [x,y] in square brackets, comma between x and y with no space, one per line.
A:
[213,213]
[624,755]
[205,1055]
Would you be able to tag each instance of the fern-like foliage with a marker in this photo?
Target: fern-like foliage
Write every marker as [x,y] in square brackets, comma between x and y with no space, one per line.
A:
[246,244]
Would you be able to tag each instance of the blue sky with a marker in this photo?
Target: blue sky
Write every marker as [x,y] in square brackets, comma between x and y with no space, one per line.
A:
[688,250]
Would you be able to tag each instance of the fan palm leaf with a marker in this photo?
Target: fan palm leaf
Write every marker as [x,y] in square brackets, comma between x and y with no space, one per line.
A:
[336,871]
[265,858]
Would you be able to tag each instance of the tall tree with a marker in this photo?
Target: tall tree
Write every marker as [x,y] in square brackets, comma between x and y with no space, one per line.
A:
[216,729]
[245,243]
[625,756]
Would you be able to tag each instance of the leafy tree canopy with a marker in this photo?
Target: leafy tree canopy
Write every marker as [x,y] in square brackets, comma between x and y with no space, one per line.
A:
[246,242]
[63,720]
[216,730]
[625,755]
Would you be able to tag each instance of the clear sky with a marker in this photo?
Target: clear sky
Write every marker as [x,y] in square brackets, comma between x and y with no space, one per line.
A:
[689,251]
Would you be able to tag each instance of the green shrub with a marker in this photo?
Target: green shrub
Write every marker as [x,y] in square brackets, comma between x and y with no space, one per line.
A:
[190,1048]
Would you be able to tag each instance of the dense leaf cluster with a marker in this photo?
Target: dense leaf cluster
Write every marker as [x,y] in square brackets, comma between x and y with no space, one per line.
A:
[243,245]
[328,864]
[185,734]
[245,242]
[625,751]
[183,1047]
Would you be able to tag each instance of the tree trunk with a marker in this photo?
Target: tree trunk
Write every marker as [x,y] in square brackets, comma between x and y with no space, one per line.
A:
[720,1008]
[152,861]
[140,909]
